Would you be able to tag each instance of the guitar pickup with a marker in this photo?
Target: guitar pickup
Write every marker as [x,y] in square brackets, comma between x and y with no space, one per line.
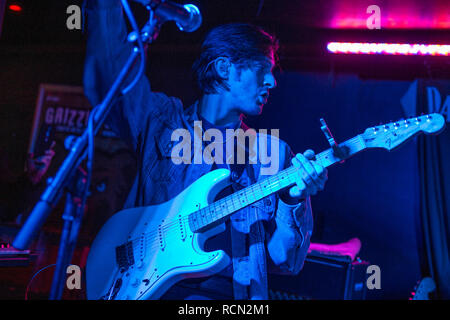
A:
[182,229]
[125,256]
[162,242]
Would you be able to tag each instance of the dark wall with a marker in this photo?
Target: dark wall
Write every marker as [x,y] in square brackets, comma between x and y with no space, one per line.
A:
[23,68]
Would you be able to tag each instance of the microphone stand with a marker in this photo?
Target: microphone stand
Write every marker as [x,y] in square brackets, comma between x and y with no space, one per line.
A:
[69,179]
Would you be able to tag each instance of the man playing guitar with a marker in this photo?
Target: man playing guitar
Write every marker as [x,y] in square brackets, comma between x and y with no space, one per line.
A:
[234,73]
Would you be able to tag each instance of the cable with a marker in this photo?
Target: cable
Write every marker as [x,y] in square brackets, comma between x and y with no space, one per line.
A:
[29,283]
[90,158]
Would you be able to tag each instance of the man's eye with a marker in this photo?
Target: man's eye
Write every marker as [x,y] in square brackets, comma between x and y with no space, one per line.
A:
[265,68]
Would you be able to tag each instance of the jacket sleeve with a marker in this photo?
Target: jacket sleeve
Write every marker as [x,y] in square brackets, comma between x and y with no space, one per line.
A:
[292,229]
[106,53]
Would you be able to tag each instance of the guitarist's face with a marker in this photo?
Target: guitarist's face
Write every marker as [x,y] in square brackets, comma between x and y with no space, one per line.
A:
[249,87]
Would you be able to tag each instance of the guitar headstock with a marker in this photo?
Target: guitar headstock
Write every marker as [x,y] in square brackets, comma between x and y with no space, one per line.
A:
[391,135]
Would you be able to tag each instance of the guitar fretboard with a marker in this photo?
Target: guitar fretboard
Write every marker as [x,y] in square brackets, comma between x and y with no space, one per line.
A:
[221,209]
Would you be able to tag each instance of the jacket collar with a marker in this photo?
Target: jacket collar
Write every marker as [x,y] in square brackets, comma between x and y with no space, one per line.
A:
[191,115]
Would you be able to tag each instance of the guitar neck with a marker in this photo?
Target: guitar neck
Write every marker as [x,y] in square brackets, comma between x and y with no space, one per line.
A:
[218,211]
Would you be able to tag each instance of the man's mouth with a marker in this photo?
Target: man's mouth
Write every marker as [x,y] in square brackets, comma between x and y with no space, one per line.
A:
[262,99]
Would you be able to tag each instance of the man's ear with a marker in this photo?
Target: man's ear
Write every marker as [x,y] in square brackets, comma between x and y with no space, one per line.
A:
[223,65]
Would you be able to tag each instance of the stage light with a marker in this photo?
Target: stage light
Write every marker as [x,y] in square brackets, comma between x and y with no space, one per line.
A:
[15,7]
[389,48]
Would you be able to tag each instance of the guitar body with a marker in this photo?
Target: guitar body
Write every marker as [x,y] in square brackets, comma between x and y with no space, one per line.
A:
[157,244]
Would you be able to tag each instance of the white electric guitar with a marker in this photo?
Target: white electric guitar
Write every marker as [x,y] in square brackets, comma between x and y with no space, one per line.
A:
[139,253]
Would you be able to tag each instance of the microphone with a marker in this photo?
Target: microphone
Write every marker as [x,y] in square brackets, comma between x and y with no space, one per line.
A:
[187,17]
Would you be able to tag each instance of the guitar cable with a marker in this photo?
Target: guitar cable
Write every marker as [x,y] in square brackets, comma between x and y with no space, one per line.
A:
[29,283]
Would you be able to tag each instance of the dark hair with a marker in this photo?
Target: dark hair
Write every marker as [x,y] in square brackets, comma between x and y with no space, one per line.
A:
[242,43]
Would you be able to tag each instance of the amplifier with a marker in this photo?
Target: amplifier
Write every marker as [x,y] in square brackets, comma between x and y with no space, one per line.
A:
[323,277]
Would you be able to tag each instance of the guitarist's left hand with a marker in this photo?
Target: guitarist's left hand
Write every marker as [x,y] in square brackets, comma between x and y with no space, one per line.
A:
[311,178]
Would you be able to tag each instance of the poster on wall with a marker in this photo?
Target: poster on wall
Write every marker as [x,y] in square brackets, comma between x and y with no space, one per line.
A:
[427,96]
[434,97]
[61,114]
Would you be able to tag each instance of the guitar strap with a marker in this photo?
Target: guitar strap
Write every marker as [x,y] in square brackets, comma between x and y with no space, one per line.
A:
[247,234]
[247,242]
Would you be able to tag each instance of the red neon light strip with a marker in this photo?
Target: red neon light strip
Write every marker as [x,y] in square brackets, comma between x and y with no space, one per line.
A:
[15,7]
[389,48]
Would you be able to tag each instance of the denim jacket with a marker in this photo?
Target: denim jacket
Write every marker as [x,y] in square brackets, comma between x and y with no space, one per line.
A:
[267,235]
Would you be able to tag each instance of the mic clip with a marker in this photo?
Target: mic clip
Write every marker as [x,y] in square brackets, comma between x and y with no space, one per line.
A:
[149,31]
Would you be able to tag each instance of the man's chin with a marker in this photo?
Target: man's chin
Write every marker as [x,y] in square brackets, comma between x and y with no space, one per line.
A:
[260,109]
[256,111]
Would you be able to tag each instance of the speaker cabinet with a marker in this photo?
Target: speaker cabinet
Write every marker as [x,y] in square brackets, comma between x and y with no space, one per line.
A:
[323,277]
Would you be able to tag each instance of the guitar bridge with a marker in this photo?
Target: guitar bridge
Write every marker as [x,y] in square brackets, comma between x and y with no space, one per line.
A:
[125,256]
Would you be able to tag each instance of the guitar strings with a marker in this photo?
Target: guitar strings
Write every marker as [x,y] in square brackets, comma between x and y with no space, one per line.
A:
[152,235]
[207,213]
[206,216]
[170,226]
[217,208]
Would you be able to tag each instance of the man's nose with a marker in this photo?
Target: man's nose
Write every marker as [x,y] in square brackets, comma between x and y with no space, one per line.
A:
[269,81]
